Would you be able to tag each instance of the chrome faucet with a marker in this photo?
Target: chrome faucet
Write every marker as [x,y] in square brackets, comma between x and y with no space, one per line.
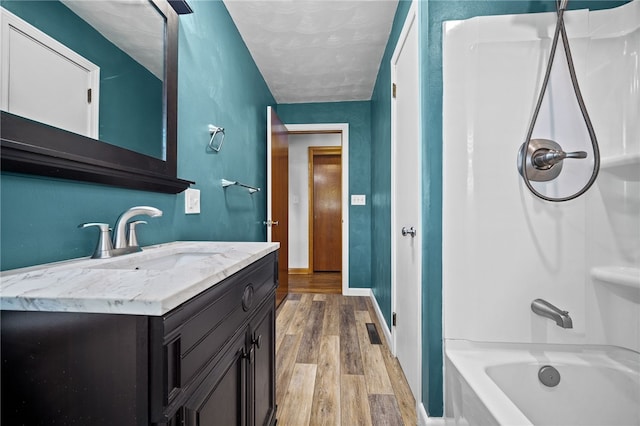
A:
[120,233]
[546,309]
[122,243]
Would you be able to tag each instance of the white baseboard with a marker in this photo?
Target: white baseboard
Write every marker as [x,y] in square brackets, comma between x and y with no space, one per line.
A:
[425,420]
[357,292]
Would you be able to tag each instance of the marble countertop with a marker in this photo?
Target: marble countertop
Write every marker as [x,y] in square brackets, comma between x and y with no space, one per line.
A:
[118,286]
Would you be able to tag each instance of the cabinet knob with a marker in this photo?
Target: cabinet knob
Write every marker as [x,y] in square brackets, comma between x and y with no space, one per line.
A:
[247,298]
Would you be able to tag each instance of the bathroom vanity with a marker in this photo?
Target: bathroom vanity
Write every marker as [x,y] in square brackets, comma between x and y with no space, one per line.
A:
[180,334]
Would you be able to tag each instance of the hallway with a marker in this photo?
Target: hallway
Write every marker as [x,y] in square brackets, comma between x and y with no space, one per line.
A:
[328,371]
[318,282]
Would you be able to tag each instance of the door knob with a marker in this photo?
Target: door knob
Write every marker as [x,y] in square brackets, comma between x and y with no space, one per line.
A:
[270,222]
[409,231]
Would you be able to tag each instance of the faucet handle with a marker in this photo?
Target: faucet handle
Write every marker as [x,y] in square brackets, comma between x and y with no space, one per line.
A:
[132,239]
[545,159]
[104,248]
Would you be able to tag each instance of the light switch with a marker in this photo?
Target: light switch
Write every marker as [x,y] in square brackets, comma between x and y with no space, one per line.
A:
[358,200]
[192,201]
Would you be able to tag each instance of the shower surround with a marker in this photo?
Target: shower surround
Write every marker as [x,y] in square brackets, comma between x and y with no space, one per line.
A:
[503,247]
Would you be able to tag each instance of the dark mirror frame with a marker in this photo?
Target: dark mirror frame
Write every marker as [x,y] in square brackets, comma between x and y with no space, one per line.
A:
[30,147]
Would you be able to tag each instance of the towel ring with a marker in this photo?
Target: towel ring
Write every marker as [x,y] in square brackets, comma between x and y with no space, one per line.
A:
[213,131]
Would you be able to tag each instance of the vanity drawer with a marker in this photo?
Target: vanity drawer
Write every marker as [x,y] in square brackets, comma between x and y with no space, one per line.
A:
[205,334]
[194,333]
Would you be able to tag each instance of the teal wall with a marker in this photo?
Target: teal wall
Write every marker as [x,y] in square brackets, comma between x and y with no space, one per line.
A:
[358,115]
[218,84]
[130,95]
[432,13]
[381,170]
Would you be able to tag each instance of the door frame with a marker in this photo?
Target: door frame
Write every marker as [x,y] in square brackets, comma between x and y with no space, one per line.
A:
[313,151]
[411,19]
[344,129]
[281,140]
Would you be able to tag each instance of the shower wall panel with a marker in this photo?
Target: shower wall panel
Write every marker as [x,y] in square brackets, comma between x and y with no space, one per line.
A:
[502,247]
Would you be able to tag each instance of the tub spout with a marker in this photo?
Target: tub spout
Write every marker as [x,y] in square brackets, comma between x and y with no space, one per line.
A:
[546,309]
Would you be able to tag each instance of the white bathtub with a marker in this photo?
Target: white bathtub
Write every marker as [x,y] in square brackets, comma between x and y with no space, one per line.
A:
[497,384]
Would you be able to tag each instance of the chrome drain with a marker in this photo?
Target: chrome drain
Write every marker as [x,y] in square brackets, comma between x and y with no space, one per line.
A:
[549,376]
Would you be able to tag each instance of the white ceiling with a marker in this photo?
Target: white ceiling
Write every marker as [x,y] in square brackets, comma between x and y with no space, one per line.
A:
[316,50]
[135,26]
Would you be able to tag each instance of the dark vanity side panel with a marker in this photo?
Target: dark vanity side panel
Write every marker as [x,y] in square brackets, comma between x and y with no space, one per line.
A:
[73,368]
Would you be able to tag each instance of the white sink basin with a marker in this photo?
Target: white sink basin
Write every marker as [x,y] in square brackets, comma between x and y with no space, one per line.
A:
[164,262]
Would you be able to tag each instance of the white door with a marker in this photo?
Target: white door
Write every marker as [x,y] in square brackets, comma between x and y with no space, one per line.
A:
[406,197]
[45,81]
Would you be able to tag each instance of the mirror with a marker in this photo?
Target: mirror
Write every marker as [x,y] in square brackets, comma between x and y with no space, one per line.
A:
[136,120]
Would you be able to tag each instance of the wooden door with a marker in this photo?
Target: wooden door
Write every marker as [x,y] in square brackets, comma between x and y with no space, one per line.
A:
[278,199]
[326,206]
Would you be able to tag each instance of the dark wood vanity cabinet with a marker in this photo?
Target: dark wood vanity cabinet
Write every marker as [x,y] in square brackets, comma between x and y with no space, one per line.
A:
[210,361]
[240,389]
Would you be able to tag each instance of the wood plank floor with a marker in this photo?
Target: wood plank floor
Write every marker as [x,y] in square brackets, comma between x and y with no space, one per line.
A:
[328,372]
[318,282]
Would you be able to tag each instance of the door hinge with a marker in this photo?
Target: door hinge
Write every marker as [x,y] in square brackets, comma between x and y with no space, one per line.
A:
[89,96]
[393,319]
[393,89]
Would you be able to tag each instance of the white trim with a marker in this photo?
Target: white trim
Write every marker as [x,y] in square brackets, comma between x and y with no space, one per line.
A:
[406,27]
[363,292]
[410,19]
[10,21]
[269,167]
[425,420]
[344,129]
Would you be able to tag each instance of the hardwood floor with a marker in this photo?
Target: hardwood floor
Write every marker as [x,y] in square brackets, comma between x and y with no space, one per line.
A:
[328,372]
[318,282]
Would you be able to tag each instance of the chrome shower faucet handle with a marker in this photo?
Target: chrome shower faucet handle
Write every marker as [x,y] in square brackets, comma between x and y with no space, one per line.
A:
[544,159]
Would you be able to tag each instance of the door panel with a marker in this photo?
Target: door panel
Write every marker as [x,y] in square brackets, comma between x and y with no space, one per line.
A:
[264,380]
[278,201]
[406,201]
[45,81]
[220,398]
[327,212]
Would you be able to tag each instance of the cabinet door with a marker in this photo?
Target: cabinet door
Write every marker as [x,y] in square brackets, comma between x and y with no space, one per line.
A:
[263,390]
[221,397]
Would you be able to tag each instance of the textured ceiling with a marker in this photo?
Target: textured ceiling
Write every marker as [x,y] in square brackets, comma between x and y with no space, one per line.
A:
[134,26]
[316,51]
